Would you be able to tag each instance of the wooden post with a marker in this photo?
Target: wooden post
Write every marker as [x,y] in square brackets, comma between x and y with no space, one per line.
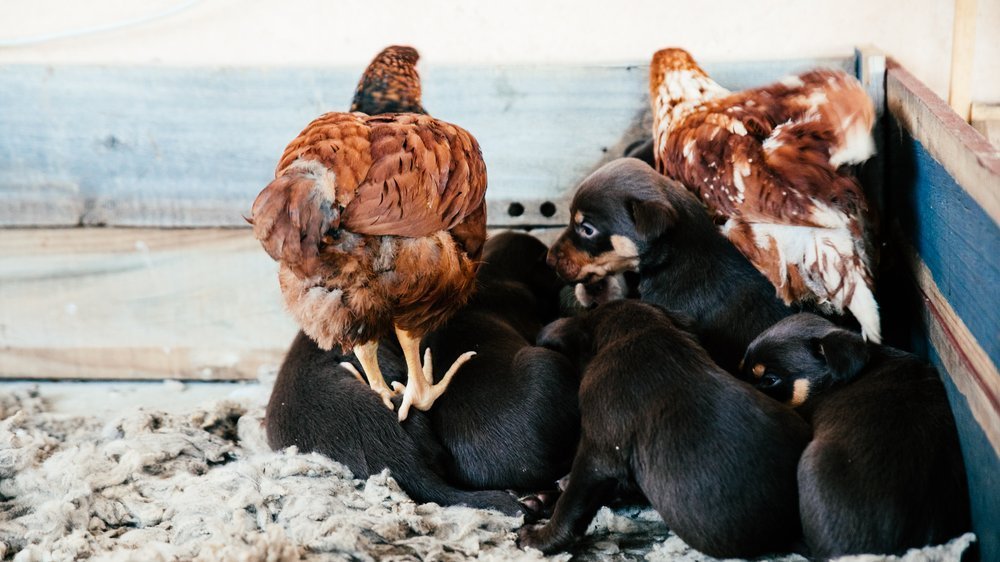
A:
[963,43]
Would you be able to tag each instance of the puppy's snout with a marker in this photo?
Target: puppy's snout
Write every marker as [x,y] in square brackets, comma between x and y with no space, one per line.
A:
[551,258]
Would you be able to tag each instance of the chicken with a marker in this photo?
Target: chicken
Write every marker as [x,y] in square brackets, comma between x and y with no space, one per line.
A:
[771,164]
[378,223]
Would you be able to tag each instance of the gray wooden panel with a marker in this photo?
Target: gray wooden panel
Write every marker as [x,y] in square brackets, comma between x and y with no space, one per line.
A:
[152,146]
[141,303]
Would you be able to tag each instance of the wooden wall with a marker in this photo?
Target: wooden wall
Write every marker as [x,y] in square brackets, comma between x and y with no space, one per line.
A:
[941,272]
[123,250]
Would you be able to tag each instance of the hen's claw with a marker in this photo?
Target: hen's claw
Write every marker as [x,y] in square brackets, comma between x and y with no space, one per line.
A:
[380,388]
[421,394]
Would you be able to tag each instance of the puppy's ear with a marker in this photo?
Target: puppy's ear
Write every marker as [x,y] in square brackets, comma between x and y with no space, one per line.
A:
[844,352]
[652,218]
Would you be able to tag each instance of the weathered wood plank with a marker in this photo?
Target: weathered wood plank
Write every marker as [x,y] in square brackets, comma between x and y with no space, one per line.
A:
[963,48]
[954,236]
[138,303]
[964,153]
[108,303]
[965,361]
[942,198]
[141,146]
[871,72]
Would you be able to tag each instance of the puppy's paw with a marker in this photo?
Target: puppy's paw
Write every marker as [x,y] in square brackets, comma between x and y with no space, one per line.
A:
[528,537]
[540,537]
[610,288]
[539,505]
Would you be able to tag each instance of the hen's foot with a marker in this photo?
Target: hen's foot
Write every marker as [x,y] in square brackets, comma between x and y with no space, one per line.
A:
[420,391]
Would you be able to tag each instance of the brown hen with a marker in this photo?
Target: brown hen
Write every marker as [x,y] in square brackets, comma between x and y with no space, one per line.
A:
[378,223]
[770,162]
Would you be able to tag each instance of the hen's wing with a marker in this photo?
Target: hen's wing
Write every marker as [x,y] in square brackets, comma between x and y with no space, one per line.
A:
[400,175]
[774,153]
[390,83]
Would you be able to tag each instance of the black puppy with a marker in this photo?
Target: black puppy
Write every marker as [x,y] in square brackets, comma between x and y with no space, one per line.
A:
[510,417]
[508,421]
[714,457]
[625,216]
[884,471]
[318,405]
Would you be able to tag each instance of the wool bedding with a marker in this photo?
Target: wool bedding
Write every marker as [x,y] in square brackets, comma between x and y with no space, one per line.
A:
[149,486]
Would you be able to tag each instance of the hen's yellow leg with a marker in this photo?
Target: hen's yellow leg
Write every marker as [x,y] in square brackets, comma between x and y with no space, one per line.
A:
[420,391]
[367,355]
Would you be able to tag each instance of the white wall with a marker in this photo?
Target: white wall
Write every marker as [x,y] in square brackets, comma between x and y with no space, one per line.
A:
[329,32]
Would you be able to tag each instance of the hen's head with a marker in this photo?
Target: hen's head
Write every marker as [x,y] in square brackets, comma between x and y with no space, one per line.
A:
[390,84]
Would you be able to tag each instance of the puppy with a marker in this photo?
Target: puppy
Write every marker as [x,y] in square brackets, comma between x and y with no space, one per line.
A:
[510,418]
[625,216]
[714,457]
[318,405]
[509,421]
[884,471]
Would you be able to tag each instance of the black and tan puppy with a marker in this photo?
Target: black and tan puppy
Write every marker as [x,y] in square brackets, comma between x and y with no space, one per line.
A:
[509,420]
[625,216]
[884,471]
[714,457]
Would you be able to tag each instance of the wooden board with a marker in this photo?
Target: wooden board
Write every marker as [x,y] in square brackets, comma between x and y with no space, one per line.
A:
[114,303]
[191,147]
[941,273]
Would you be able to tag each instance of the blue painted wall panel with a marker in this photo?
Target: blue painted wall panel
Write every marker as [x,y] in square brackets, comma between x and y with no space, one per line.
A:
[960,244]
[957,240]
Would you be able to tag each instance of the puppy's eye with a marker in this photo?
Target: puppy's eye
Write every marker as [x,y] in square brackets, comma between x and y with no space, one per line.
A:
[769,380]
[586,230]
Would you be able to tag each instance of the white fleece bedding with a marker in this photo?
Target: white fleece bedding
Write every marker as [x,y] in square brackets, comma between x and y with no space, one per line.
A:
[151,486]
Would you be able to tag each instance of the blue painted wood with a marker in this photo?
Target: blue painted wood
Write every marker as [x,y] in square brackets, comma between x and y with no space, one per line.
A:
[982,467]
[957,240]
[145,146]
[960,245]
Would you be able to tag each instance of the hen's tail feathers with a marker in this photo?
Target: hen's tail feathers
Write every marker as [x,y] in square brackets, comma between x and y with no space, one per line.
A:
[821,265]
[293,213]
[845,106]
[390,84]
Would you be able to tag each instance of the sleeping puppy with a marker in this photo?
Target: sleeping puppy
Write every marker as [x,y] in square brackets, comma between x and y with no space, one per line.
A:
[714,457]
[510,418]
[884,471]
[627,217]
[508,421]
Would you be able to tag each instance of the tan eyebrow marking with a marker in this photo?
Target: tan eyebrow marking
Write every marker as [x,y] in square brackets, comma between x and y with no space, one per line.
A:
[758,370]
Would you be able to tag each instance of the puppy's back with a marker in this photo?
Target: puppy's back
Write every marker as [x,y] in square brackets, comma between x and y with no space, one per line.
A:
[715,457]
[884,472]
